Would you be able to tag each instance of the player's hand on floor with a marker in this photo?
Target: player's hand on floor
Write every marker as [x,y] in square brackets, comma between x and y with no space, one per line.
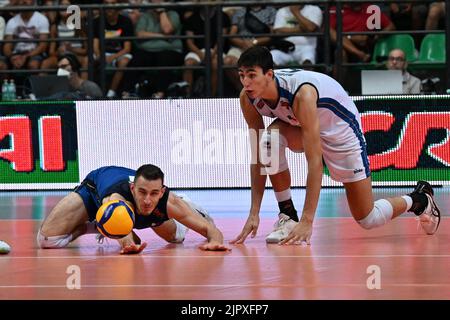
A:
[301,233]
[251,226]
[133,248]
[214,246]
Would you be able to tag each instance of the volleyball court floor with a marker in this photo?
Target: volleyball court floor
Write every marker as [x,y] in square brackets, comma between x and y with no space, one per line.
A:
[344,261]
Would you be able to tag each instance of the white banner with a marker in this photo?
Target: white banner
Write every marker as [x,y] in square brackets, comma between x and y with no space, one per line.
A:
[197,143]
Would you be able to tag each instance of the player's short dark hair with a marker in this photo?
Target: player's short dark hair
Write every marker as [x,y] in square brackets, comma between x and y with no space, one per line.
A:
[149,172]
[258,56]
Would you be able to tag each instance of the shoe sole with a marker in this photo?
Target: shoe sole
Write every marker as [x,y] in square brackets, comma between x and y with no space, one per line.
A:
[428,218]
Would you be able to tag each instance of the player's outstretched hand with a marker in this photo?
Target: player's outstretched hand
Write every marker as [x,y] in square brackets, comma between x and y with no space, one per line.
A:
[301,233]
[133,248]
[251,226]
[214,246]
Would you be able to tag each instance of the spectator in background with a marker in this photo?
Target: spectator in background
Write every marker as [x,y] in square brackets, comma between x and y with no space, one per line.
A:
[7,15]
[69,66]
[26,25]
[354,19]
[397,61]
[248,38]
[61,30]
[134,13]
[298,18]
[117,52]
[3,60]
[435,14]
[51,15]
[195,25]
[408,16]
[157,51]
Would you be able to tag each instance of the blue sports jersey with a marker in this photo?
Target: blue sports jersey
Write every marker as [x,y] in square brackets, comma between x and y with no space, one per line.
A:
[103,182]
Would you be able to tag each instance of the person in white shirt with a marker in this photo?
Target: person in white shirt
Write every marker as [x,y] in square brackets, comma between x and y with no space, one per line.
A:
[314,115]
[26,25]
[298,18]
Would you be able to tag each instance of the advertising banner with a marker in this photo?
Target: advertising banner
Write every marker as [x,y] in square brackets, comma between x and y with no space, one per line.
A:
[38,145]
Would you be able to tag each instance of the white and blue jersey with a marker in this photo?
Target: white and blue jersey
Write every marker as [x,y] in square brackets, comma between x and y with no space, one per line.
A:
[343,143]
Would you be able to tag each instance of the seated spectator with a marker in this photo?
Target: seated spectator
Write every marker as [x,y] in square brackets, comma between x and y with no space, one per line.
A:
[157,50]
[3,60]
[133,13]
[51,15]
[26,25]
[435,14]
[248,38]
[117,52]
[408,16]
[69,66]
[397,61]
[354,19]
[195,25]
[61,30]
[298,18]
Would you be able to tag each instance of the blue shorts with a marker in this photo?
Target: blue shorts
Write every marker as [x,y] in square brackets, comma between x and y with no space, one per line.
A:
[89,195]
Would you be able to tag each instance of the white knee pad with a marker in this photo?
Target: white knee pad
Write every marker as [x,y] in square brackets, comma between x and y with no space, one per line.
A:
[54,241]
[272,147]
[381,214]
[180,233]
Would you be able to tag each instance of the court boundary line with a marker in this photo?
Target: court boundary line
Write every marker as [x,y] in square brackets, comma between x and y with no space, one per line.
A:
[118,256]
[363,285]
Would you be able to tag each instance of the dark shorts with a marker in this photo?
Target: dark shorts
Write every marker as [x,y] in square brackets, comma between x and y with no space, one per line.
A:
[87,192]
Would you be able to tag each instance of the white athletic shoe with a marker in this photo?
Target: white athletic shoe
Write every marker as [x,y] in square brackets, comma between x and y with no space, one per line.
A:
[430,218]
[282,228]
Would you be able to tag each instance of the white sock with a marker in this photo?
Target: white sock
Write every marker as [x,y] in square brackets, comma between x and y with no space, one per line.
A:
[409,202]
[283,195]
[111,93]
[181,231]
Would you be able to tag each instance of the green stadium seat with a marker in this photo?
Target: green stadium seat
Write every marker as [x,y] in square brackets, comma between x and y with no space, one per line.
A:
[432,53]
[396,41]
[432,48]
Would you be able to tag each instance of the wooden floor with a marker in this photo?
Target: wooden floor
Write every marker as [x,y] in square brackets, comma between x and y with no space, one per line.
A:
[343,262]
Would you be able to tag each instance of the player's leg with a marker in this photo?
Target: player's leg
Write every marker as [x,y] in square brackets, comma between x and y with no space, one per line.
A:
[371,214]
[67,221]
[362,205]
[171,231]
[283,135]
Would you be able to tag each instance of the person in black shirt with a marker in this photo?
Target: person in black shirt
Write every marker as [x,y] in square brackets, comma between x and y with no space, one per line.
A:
[195,25]
[117,51]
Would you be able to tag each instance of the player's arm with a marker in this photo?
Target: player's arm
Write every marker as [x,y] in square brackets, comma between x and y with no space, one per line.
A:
[257,173]
[131,243]
[305,110]
[183,213]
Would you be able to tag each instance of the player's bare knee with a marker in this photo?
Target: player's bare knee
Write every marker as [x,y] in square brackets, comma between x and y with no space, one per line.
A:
[53,242]
[380,215]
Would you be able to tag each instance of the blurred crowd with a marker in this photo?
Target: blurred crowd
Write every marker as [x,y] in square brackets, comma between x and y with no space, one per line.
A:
[248,26]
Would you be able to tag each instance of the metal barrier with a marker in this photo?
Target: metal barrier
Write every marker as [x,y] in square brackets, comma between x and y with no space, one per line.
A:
[324,67]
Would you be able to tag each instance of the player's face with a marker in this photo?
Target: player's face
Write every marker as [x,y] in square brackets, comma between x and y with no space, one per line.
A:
[146,194]
[254,81]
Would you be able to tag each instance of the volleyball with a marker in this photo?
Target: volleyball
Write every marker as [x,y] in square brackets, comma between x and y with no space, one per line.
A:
[115,219]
